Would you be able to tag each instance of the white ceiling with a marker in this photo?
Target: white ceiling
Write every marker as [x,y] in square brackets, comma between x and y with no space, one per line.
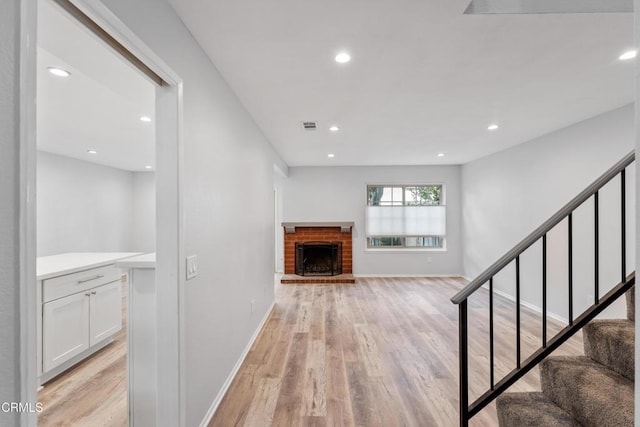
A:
[423,79]
[99,106]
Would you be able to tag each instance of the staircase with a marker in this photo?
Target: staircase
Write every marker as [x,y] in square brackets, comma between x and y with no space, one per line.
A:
[591,390]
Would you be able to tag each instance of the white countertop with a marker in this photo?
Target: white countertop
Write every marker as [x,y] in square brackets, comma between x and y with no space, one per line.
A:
[140,261]
[58,265]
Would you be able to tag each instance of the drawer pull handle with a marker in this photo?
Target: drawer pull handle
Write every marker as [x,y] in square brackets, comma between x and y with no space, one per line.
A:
[93,292]
[87,295]
[99,276]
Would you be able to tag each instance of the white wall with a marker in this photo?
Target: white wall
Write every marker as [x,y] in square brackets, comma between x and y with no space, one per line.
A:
[279,177]
[228,207]
[508,194]
[86,207]
[83,207]
[9,210]
[143,225]
[339,194]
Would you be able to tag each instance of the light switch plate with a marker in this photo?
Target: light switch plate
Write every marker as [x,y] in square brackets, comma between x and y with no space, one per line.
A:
[192,266]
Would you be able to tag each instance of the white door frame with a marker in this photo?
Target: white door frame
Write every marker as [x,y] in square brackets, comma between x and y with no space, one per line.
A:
[170,270]
[27,231]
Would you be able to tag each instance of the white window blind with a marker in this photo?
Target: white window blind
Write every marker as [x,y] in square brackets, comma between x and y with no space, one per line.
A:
[406,221]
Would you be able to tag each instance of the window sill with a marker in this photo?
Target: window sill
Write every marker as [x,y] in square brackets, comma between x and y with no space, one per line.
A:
[405,250]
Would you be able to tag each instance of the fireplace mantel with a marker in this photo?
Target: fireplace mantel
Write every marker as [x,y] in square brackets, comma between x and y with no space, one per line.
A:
[345,226]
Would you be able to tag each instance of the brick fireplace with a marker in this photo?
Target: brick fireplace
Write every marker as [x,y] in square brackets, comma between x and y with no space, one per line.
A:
[322,233]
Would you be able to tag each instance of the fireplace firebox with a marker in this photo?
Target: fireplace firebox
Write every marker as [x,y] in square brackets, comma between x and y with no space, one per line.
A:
[319,258]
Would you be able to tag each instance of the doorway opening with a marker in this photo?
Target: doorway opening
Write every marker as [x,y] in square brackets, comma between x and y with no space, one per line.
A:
[95,205]
[64,354]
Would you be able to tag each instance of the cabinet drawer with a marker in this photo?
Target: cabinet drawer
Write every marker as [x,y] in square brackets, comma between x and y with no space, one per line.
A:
[69,284]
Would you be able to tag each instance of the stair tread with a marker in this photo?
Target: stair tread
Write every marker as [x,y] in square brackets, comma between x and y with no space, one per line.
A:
[531,409]
[593,394]
[611,342]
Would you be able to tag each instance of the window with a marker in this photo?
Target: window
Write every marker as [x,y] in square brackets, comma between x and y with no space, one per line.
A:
[406,216]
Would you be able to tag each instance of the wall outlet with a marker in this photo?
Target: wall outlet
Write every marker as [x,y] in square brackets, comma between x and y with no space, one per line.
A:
[192,266]
[428,259]
[253,305]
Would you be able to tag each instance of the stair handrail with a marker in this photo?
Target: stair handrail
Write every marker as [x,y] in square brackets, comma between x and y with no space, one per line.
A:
[539,232]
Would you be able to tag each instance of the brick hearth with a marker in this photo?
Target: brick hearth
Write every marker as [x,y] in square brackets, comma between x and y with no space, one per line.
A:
[317,280]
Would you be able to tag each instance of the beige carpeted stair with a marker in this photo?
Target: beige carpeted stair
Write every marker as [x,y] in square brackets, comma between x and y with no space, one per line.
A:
[532,409]
[593,390]
[610,343]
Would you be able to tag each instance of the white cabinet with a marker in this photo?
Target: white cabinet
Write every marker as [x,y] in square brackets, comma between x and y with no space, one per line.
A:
[80,308]
[105,312]
[66,329]
[76,322]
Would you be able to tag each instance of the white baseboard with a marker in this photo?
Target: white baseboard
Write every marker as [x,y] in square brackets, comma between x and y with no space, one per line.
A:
[406,275]
[216,402]
[528,305]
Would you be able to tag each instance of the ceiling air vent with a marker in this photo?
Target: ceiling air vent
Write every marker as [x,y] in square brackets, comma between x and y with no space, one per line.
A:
[310,125]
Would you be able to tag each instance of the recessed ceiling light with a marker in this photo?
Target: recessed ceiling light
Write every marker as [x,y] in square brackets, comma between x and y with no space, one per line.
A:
[628,55]
[334,128]
[59,72]
[343,58]
[148,167]
[440,154]
[92,152]
[331,155]
[493,127]
[145,119]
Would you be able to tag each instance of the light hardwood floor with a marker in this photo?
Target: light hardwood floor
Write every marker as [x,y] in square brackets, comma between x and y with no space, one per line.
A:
[94,392]
[382,352]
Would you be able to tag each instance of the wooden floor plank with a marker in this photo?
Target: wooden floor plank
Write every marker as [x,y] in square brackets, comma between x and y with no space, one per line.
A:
[289,406]
[264,402]
[365,413]
[314,395]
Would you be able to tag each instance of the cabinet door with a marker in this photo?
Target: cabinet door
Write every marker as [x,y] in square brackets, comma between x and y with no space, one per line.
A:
[105,312]
[65,329]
